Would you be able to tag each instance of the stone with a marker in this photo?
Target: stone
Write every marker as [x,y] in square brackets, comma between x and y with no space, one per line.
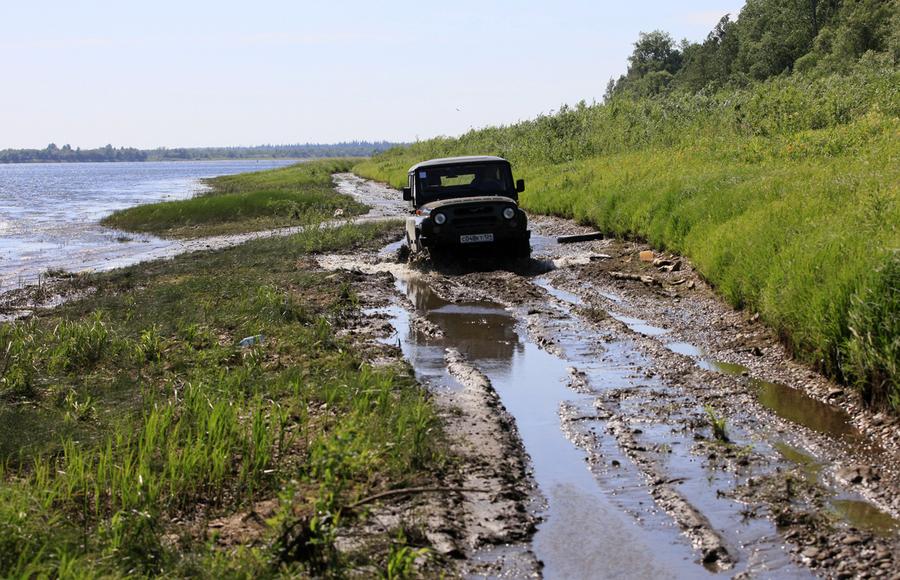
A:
[811,552]
[251,340]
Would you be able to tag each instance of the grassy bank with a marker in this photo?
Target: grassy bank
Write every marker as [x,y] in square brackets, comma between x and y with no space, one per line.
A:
[133,419]
[785,196]
[246,202]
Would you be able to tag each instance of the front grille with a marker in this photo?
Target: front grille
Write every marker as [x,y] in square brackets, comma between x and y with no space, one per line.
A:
[475,215]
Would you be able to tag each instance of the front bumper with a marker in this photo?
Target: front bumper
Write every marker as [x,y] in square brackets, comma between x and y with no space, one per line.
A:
[503,230]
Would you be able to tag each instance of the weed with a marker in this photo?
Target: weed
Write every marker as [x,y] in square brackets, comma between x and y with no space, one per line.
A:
[18,366]
[717,424]
[79,408]
[149,346]
[79,344]
[401,562]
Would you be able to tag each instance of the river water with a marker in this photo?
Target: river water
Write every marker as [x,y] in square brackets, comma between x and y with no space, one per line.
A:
[49,213]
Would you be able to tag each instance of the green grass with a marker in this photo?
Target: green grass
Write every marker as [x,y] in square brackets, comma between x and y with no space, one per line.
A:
[133,418]
[784,195]
[295,195]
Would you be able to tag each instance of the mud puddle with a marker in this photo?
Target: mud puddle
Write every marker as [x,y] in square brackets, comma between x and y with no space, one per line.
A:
[583,533]
[786,402]
[651,462]
[600,518]
[842,506]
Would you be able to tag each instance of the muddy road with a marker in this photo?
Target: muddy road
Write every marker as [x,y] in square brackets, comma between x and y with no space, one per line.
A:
[627,422]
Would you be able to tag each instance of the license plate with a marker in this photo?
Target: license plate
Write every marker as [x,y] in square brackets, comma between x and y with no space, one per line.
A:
[475,238]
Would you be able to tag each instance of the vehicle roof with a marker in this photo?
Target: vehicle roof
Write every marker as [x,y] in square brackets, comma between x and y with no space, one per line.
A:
[455,160]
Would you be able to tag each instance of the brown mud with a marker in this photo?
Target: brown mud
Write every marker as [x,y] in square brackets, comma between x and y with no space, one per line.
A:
[659,432]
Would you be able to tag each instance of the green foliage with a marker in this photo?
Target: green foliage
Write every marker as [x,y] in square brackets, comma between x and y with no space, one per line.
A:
[651,67]
[401,561]
[78,344]
[177,423]
[858,28]
[18,356]
[873,350]
[295,195]
[717,424]
[768,39]
[772,35]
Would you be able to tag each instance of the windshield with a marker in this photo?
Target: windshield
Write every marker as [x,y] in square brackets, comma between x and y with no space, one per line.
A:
[446,181]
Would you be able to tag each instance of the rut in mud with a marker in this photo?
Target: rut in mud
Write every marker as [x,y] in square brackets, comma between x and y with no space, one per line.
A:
[651,430]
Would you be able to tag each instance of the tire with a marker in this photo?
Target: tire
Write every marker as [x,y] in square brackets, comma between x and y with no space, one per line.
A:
[521,249]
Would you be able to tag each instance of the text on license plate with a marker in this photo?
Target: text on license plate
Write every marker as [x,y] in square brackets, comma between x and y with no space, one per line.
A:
[475,238]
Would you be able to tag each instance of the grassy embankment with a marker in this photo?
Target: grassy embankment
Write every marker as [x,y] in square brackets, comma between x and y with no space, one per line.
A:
[132,418]
[784,195]
[246,202]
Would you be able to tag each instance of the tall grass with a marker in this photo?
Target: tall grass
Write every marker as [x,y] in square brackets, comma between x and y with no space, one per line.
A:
[785,196]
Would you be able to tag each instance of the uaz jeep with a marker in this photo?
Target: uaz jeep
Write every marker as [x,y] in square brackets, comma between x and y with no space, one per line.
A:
[462,202]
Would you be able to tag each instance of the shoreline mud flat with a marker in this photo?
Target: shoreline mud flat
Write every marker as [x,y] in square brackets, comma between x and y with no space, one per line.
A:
[712,448]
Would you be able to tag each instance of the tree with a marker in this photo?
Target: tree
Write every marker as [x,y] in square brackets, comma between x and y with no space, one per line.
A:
[651,66]
[772,35]
[712,61]
[653,52]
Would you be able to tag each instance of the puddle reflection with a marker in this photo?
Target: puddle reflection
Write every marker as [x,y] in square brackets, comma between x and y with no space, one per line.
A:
[798,407]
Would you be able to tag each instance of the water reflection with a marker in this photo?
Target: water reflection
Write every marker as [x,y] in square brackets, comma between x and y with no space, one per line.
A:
[865,516]
[795,405]
[481,331]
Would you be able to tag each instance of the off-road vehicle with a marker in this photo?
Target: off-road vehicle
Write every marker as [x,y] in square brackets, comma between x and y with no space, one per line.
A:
[466,202]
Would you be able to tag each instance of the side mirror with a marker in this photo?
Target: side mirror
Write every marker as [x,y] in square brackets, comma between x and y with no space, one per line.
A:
[407,194]
[520,185]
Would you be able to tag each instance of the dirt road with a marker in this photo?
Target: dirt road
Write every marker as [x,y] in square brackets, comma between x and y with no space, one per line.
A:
[626,421]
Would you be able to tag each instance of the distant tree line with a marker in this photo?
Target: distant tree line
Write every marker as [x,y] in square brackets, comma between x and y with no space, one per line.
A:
[769,38]
[53,153]
[66,153]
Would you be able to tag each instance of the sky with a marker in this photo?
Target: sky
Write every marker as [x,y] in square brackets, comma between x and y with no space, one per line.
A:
[198,73]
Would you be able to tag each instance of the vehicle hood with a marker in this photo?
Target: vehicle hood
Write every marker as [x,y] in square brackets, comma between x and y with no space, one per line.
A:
[473,200]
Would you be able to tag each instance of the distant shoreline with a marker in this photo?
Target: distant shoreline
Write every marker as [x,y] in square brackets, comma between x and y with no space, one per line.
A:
[109,154]
[114,161]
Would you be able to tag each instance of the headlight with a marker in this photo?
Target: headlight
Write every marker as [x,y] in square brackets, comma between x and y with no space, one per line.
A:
[509,213]
[439,218]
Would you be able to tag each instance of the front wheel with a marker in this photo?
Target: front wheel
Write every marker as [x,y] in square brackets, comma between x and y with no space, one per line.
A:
[521,249]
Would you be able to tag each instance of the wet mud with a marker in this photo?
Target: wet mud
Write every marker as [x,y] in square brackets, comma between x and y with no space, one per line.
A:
[654,431]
